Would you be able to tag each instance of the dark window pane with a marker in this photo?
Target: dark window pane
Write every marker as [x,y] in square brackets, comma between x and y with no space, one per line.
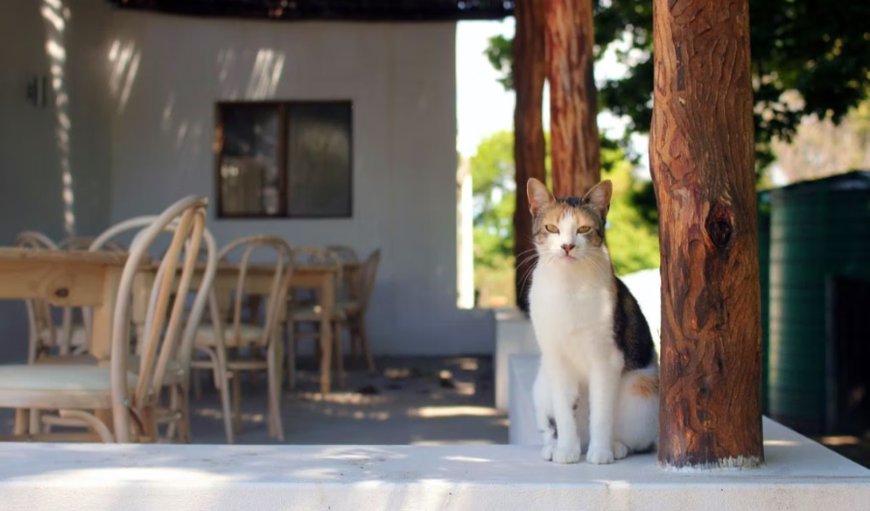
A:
[319,159]
[250,179]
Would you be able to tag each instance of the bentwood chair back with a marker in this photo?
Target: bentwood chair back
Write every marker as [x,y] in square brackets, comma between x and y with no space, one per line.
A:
[91,395]
[355,310]
[246,337]
[175,375]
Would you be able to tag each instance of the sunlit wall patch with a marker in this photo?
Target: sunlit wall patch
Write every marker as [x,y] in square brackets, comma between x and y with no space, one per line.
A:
[56,16]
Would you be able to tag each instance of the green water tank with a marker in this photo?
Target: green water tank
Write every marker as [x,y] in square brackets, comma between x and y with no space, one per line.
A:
[819,233]
[764,278]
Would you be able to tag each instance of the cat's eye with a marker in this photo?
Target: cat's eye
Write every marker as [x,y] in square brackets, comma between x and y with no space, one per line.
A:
[584,229]
[551,228]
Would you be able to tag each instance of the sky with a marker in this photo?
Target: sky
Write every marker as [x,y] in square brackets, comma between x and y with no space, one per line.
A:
[484,107]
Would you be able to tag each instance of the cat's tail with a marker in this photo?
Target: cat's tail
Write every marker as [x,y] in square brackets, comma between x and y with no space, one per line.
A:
[637,415]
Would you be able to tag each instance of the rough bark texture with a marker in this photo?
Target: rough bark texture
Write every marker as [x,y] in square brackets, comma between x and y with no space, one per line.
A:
[528,76]
[575,151]
[701,152]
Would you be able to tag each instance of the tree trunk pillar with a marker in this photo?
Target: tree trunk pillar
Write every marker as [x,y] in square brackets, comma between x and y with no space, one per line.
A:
[574,144]
[528,77]
[701,154]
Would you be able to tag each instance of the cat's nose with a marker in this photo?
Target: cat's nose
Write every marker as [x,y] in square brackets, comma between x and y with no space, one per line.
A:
[568,247]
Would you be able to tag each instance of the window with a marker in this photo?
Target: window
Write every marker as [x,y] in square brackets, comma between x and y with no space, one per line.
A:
[284,159]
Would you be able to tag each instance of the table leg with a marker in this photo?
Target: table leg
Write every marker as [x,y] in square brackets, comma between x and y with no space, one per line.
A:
[101,343]
[327,302]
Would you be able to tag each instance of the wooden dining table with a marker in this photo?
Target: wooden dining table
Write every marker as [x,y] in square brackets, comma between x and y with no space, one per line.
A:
[259,280]
[77,278]
[67,278]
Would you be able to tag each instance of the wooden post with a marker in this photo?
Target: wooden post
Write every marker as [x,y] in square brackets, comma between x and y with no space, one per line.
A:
[701,152]
[528,75]
[575,151]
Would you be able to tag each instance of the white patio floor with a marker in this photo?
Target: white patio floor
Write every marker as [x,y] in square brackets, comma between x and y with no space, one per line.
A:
[413,400]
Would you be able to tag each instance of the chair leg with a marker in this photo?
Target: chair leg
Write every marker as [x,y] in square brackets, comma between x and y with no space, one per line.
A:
[224,390]
[35,422]
[22,421]
[196,377]
[149,421]
[184,409]
[291,357]
[273,357]
[222,383]
[339,357]
[172,428]
[237,400]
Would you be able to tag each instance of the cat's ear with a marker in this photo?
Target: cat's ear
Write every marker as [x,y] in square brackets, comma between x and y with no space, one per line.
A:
[599,197]
[538,194]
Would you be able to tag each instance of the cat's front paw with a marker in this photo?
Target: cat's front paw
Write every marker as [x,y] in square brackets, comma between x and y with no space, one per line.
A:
[567,454]
[599,455]
[547,452]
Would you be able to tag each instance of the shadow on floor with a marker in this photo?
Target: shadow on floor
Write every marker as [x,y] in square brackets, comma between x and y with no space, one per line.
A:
[418,400]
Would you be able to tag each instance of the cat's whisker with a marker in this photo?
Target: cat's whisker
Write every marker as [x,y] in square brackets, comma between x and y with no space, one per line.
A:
[533,249]
[526,277]
[528,260]
[526,253]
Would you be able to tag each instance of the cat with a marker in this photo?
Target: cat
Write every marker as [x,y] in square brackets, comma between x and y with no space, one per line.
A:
[597,384]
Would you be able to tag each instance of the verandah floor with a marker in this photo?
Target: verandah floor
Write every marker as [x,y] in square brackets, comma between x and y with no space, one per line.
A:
[412,400]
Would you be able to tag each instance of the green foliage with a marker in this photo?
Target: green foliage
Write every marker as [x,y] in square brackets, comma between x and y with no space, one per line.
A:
[500,54]
[494,191]
[632,234]
[818,49]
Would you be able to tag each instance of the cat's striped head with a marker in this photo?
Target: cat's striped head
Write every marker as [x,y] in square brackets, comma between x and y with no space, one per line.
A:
[571,228]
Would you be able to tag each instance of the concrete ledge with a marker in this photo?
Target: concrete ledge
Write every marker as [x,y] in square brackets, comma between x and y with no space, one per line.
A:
[513,336]
[522,429]
[799,476]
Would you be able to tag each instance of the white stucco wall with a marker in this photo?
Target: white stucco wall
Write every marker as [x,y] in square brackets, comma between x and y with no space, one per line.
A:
[31,157]
[166,74]
[142,89]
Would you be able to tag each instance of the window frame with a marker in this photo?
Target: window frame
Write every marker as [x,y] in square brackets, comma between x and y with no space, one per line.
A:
[283,157]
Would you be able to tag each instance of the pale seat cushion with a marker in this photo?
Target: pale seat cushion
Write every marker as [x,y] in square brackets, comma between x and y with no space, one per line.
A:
[57,386]
[174,370]
[248,334]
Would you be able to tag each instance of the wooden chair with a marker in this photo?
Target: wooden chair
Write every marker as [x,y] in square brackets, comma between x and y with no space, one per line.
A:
[353,311]
[350,312]
[344,253]
[304,309]
[89,395]
[233,342]
[176,413]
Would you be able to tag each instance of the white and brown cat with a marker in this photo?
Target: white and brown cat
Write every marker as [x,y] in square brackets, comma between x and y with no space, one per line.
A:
[597,386]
